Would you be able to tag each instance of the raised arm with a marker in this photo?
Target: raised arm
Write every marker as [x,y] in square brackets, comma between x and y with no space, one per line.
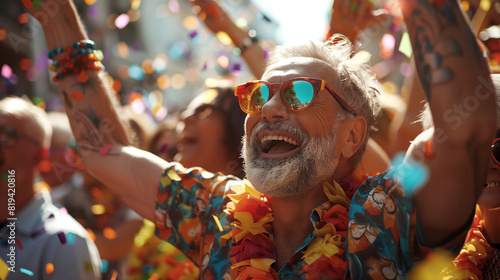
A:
[217,20]
[92,109]
[456,82]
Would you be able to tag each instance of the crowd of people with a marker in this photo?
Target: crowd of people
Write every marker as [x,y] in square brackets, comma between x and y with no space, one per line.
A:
[283,177]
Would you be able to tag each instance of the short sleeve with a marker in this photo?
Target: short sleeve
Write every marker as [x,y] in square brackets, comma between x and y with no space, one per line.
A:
[189,211]
[384,239]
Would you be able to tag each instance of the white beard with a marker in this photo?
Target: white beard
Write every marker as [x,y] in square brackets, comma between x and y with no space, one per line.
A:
[314,163]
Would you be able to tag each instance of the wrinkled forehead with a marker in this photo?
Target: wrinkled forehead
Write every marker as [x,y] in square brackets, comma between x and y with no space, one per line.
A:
[301,67]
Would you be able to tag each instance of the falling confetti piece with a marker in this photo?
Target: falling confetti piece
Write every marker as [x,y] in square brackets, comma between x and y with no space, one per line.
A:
[104,266]
[105,149]
[45,165]
[37,4]
[405,45]
[62,238]
[28,4]
[6,71]
[412,175]
[70,237]
[27,271]
[4,269]
[49,268]
[121,21]
[109,233]
[77,95]
[19,244]
[5,176]
[217,222]
[82,78]
[115,274]
[98,209]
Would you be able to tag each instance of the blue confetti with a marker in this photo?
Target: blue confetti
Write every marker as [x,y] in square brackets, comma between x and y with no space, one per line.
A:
[411,175]
[70,238]
[27,271]
[104,264]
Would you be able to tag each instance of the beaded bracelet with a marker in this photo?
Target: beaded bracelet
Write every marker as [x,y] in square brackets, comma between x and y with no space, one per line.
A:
[72,69]
[89,44]
[246,43]
[65,60]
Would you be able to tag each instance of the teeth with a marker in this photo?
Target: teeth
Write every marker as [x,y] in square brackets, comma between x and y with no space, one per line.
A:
[279,137]
[492,185]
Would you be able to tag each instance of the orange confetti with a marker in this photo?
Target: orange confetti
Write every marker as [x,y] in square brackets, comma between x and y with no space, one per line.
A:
[77,95]
[25,64]
[109,233]
[117,85]
[115,274]
[45,166]
[28,4]
[91,234]
[82,78]
[49,268]
[23,18]
[3,34]
[95,192]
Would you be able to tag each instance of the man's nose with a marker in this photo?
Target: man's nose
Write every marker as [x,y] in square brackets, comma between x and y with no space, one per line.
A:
[274,110]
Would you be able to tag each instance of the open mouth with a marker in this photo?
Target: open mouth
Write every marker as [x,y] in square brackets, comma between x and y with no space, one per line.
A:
[491,185]
[278,144]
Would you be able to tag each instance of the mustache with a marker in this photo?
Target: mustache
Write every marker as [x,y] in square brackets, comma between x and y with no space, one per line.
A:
[279,126]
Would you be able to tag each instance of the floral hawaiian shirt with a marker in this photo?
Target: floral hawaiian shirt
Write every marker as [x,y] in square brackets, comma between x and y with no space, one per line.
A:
[384,240]
[189,215]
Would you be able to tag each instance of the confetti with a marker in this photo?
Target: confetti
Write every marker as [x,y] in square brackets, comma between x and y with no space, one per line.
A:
[19,244]
[218,223]
[27,271]
[6,71]
[82,78]
[98,209]
[109,233]
[104,266]
[45,165]
[91,234]
[70,237]
[37,4]
[135,72]
[405,45]
[105,149]
[4,269]
[412,175]
[27,3]
[115,274]
[62,238]
[77,95]
[49,268]
[121,21]
[5,176]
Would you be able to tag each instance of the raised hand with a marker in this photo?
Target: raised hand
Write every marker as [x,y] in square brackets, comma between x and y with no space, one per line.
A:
[349,17]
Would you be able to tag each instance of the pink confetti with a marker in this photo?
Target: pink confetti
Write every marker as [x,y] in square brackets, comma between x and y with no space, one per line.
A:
[105,149]
[6,71]
[121,21]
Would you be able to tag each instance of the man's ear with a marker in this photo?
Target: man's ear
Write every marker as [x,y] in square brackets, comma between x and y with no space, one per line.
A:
[353,133]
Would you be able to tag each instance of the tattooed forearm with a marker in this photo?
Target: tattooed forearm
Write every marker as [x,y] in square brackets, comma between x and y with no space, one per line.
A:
[90,132]
[434,44]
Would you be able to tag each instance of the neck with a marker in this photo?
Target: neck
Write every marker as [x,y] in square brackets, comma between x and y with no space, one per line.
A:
[292,225]
[491,219]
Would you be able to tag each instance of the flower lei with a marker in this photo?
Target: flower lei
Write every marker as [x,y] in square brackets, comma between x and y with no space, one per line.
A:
[475,253]
[253,248]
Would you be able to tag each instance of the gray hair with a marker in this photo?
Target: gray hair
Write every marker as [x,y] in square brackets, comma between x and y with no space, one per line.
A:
[354,80]
[38,123]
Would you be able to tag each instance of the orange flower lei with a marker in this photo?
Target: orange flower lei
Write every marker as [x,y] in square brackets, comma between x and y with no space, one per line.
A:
[475,253]
[253,249]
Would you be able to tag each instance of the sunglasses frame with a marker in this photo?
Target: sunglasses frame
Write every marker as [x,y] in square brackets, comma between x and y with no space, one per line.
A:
[492,155]
[318,85]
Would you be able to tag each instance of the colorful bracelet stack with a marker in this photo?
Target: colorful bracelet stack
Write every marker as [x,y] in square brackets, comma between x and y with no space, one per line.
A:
[79,56]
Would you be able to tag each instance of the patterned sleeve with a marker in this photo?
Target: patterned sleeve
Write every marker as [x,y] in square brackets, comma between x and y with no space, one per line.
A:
[384,238]
[190,203]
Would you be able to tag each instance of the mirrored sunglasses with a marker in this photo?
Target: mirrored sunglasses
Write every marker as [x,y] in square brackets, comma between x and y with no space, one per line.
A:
[296,94]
